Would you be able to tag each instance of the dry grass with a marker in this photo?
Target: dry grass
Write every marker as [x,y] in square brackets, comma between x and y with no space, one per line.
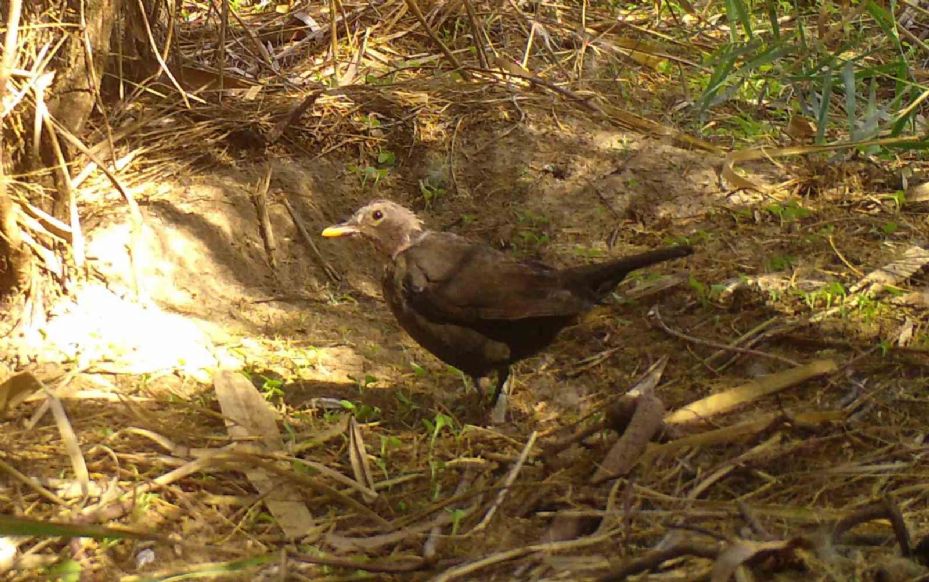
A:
[507,147]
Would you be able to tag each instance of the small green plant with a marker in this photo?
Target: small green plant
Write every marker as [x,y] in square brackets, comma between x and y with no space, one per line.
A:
[407,404]
[368,174]
[530,239]
[868,308]
[436,467]
[457,516]
[829,295]
[890,227]
[788,212]
[706,294]
[884,346]
[435,427]
[65,571]
[363,412]
[898,198]
[386,158]
[431,190]
[388,443]
[418,370]
[364,383]
[780,263]
[271,387]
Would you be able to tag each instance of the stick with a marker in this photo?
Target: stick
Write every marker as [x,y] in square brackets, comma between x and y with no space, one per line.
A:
[414,8]
[330,272]
[501,495]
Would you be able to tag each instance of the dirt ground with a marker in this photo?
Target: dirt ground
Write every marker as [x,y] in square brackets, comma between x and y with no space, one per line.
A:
[559,189]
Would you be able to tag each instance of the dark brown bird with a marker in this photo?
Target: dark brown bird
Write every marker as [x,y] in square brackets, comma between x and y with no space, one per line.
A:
[472,306]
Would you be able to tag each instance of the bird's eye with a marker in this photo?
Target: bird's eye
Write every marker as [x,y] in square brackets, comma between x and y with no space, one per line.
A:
[377,215]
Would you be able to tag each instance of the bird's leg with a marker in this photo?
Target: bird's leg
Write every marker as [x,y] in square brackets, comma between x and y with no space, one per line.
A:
[476,382]
[501,396]
[503,376]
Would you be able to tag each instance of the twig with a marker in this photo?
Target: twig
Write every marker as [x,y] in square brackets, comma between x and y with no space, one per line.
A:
[64,185]
[135,214]
[653,559]
[158,57]
[883,509]
[501,495]
[412,564]
[429,547]
[505,556]
[278,130]
[334,41]
[842,258]
[221,46]
[260,199]
[749,337]
[656,315]
[14,10]
[69,439]
[55,226]
[414,8]
[727,400]
[31,484]
[478,33]
[330,272]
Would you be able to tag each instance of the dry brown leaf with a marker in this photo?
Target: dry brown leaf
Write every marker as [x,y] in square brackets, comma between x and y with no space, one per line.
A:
[248,417]
[17,388]
[740,552]
[891,274]
[359,458]
[644,424]
[800,129]
[70,441]
[730,399]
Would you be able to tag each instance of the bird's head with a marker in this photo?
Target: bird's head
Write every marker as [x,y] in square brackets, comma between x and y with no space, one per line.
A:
[391,227]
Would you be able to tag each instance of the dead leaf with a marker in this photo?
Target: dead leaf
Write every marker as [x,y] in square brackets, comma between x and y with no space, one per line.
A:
[752,390]
[359,458]
[742,551]
[800,129]
[891,274]
[248,417]
[17,388]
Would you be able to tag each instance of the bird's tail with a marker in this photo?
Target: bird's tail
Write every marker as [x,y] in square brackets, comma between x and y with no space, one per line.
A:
[600,278]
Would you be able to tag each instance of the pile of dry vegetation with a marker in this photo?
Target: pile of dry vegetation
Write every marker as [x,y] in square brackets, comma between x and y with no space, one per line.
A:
[192,383]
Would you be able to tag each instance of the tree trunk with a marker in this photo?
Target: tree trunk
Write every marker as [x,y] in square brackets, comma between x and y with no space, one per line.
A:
[15,260]
[77,79]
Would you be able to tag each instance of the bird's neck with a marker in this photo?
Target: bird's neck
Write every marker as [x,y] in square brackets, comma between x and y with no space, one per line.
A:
[408,239]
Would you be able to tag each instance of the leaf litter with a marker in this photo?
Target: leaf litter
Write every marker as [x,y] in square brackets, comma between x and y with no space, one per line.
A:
[791,447]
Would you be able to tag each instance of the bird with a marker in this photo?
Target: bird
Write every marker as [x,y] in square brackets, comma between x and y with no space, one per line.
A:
[472,306]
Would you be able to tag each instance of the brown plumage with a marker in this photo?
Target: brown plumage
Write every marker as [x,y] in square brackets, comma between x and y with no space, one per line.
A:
[475,307]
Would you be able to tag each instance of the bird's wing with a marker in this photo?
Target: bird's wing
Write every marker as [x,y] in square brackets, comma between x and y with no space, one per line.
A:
[448,278]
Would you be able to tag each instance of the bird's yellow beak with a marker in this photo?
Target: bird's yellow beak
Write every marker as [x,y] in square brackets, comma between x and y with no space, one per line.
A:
[339,230]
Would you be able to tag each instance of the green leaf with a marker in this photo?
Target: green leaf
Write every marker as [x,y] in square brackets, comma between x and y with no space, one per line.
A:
[386,158]
[737,13]
[772,18]
[66,571]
